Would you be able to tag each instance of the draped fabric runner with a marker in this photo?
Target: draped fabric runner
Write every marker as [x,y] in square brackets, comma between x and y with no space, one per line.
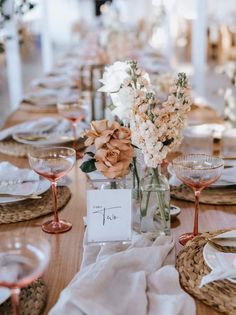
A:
[118,279]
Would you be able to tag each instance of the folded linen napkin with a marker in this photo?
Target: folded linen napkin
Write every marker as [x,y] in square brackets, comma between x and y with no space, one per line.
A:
[40,125]
[50,125]
[118,279]
[16,181]
[226,268]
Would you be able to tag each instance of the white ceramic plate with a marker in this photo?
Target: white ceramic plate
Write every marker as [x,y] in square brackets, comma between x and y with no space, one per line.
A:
[209,253]
[37,139]
[228,177]
[44,185]
[214,130]
[4,294]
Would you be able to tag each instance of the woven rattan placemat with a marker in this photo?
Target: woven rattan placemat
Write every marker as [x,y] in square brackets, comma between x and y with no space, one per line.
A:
[33,208]
[220,295]
[32,300]
[13,148]
[214,196]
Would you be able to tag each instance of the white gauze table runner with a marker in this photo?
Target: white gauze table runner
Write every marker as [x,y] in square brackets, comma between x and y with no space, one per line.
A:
[118,279]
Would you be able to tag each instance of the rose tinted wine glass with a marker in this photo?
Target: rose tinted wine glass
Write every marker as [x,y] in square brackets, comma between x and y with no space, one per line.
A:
[23,258]
[74,112]
[197,171]
[53,163]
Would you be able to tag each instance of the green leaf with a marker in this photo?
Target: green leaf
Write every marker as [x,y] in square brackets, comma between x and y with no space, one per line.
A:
[88,166]
[111,106]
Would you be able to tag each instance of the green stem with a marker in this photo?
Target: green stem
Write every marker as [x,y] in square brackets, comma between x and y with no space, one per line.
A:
[113,185]
[136,177]
[160,201]
[144,210]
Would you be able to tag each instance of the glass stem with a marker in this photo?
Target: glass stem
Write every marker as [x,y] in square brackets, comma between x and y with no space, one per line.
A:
[74,127]
[54,200]
[15,299]
[195,227]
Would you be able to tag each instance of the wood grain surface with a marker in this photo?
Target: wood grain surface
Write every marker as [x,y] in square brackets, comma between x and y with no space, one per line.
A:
[67,249]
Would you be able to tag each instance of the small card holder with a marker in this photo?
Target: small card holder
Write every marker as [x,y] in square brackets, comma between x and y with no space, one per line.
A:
[109,212]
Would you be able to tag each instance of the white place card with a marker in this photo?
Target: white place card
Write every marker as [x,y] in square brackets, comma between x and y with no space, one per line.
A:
[109,217]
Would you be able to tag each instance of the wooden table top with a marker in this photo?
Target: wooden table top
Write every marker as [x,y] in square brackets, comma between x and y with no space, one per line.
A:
[67,249]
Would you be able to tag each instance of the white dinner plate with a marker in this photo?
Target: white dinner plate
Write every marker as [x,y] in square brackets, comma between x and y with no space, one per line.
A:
[4,294]
[209,254]
[214,130]
[44,185]
[39,139]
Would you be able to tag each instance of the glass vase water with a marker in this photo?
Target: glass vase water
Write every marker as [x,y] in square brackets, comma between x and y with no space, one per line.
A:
[155,203]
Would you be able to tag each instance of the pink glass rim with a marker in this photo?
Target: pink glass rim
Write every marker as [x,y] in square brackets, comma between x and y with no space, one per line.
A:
[50,148]
[177,160]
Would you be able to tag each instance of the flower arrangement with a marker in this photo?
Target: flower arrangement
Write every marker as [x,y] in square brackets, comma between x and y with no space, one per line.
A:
[120,81]
[156,127]
[112,148]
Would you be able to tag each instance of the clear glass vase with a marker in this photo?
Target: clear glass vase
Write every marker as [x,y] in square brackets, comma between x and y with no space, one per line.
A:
[116,183]
[155,203]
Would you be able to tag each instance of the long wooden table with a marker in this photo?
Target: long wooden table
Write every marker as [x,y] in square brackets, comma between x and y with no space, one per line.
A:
[67,249]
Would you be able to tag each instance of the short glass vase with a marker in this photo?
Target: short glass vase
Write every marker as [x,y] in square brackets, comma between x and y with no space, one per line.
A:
[155,203]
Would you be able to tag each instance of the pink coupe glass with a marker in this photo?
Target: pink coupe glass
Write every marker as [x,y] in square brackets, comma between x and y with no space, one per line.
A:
[53,163]
[197,171]
[23,258]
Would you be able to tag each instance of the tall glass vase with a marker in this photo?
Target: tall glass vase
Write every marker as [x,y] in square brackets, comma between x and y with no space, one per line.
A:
[155,203]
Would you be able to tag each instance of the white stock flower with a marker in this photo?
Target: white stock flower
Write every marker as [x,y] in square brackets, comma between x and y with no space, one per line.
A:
[114,76]
[123,101]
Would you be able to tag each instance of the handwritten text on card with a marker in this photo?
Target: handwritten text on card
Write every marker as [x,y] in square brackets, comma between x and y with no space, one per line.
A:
[109,215]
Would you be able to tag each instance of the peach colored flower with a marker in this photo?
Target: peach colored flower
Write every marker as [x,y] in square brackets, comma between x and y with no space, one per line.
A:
[121,139]
[113,144]
[113,163]
[100,132]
